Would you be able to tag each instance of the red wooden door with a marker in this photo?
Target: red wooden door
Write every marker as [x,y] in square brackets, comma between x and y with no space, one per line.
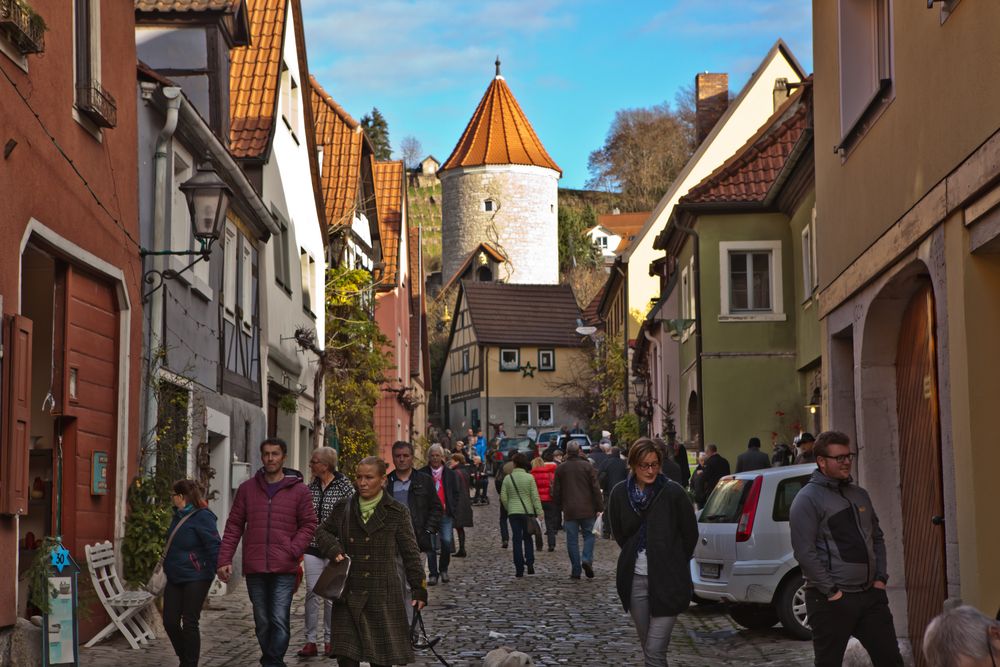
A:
[17,415]
[920,466]
[90,395]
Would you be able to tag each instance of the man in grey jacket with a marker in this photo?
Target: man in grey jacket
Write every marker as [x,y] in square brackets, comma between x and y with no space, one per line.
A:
[839,546]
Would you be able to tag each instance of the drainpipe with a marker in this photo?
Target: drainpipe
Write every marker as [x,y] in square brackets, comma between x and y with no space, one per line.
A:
[697,324]
[173,96]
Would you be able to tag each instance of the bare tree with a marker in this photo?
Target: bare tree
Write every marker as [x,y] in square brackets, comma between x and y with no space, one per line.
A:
[644,151]
[412,150]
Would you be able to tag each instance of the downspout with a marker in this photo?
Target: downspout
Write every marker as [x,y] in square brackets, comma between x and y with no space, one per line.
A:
[485,370]
[697,325]
[173,96]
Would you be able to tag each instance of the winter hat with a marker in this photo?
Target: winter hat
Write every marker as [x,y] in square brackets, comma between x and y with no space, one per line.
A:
[754,442]
[806,437]
[605,435]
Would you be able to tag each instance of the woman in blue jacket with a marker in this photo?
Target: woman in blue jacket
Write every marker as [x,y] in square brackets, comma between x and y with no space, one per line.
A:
[190,564]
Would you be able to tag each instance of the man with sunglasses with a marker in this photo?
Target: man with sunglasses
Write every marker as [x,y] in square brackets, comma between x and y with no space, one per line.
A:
[840,548]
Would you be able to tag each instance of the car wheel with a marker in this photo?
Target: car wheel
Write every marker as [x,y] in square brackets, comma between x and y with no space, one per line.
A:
[753,616]
[790,605]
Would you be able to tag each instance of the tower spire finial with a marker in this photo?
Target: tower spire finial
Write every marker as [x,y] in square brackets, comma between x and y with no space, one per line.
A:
[498,64]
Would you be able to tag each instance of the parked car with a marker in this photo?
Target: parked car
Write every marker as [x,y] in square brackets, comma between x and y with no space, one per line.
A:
[546,438]
[502,453]
[582,438]
[744,553]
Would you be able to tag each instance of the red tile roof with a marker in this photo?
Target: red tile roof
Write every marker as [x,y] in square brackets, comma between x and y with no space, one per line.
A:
[389,191]
[750,175]
[340,137]
[592,313]
[186,5]
[499,133]
[504,314]
[254,78]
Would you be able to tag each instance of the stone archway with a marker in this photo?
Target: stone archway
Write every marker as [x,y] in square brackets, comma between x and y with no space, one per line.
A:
[694,421]
[899,443]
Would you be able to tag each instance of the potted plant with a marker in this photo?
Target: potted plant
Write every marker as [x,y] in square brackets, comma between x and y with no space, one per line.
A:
[23,26]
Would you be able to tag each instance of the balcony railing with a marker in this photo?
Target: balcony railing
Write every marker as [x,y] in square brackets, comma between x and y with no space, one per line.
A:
[96,103]
[23,26]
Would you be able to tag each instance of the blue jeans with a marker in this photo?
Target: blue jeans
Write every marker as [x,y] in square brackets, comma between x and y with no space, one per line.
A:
[438,560]
[271,597]
[573,530]
[524,547]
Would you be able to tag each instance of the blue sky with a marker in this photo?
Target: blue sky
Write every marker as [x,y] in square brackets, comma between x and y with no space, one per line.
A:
[571,63]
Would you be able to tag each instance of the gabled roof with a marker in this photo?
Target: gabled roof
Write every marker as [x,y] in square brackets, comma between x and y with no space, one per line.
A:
[623,224]
[499,133]
[592,314]
[486,248]
[341,138]
[389,189]
[254,78]
[751,174]
[186,5]
[535,315]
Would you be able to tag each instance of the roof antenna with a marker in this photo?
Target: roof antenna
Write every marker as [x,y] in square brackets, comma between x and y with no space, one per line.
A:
[498,66]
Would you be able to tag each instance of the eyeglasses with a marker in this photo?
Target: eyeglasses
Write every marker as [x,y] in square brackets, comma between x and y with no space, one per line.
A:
[649,466]
[842,459]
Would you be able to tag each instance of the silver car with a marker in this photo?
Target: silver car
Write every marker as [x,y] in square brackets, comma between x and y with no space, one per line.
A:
[744,553]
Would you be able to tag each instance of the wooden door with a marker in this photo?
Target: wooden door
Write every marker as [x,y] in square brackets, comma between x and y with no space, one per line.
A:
[16,403]
[90,407]
[920,465]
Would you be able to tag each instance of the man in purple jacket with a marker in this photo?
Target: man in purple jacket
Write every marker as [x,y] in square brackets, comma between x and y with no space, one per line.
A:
[273,514]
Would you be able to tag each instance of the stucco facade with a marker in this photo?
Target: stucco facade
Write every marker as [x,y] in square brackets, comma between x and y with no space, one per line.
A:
[520,220]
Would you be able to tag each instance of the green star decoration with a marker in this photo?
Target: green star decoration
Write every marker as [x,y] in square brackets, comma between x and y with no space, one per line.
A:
[528,370]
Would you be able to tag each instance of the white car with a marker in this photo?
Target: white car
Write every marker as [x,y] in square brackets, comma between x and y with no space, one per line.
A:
[744,553]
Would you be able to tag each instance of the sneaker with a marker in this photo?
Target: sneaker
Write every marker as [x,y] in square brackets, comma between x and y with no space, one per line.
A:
[531,569]
[588,569]
[308,651]
[444,578]
[432,581]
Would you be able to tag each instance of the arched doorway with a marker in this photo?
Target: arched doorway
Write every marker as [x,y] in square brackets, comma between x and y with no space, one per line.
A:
[694,420]
[920,464]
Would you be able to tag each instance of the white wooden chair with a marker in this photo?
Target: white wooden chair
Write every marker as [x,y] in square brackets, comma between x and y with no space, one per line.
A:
[124,606]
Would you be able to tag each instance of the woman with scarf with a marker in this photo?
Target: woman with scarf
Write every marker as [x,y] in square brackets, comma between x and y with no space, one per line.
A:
[653,522]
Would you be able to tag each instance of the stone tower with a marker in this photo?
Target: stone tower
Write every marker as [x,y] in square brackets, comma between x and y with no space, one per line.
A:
[500,188]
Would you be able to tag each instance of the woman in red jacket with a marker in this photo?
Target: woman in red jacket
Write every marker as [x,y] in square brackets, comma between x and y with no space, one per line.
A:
[544,474]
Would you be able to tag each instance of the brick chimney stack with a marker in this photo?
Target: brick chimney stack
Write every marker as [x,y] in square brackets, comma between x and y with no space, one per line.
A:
[711,101]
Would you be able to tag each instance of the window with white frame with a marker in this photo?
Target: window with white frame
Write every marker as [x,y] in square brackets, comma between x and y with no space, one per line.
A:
[246,282]
[522,414]
[688,302]
[866,66]
[87,44]
[750,285]
[545,413]
[229,275]
[812,238]
[281,251]
[546,360]
[601,241]
[308,267]
[510,359]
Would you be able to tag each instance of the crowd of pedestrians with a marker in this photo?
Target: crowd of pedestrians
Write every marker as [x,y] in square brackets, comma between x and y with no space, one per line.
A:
[389,524]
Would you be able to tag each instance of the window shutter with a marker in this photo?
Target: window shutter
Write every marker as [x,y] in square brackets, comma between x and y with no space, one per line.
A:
[246,269]
[17,415]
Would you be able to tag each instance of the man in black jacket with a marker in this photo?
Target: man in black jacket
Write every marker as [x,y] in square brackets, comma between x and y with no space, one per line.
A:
[415,490]
[752,458]
[447,490]
[716,467]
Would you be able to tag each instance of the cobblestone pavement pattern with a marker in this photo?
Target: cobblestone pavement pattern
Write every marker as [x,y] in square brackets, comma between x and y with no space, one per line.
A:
[558,621]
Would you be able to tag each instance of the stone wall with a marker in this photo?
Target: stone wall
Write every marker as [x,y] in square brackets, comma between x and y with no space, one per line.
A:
[525,219]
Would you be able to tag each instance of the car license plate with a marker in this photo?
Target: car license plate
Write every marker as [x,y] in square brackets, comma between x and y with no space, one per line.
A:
[710,570]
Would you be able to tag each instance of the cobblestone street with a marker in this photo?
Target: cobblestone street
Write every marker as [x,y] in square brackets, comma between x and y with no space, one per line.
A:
[558,621]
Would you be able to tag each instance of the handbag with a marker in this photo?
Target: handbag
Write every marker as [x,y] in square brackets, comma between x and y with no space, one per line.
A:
[332,580]
[158,580]
[534,528]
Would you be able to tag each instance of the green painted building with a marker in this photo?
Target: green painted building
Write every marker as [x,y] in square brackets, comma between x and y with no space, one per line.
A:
[741,256]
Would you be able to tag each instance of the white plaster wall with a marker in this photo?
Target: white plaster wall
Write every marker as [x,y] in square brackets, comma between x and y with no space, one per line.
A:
[526,220]
[287,185]
[745,116]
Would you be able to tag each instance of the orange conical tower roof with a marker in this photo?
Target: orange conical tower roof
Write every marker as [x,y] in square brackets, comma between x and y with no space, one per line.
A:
[499,133]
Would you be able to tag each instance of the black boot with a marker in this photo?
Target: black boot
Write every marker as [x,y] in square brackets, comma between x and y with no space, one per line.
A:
[461,546]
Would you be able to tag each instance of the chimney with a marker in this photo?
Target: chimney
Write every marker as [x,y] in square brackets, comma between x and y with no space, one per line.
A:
[711,101]
[782,91]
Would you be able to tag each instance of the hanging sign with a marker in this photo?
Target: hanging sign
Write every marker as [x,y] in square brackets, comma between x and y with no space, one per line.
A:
[99,474]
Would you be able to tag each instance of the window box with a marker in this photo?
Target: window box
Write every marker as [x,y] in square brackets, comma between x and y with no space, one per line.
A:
[97,104]
[23,26]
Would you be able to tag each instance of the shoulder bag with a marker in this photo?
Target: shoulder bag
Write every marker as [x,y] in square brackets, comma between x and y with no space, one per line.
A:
[158,580]
[333,578]
[534,528]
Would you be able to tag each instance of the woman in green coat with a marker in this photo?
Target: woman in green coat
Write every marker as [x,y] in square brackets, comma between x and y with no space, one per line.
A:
[519,496]
[369,621]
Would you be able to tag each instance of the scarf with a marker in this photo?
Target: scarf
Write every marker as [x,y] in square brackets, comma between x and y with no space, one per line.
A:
[368,506]
[640,500]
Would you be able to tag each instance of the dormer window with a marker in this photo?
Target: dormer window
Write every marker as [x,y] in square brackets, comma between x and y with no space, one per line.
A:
[489,206]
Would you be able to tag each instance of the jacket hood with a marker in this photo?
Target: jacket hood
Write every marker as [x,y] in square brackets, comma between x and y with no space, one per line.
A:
[291,477]
[829,482]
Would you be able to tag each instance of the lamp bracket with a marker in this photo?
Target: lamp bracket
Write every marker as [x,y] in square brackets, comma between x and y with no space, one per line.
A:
[154,276]
[204,251]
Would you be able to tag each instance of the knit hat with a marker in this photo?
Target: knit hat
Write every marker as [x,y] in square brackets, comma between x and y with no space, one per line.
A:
[754,442]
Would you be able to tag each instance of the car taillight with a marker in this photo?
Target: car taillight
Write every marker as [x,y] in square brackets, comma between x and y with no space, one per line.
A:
[745,527]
